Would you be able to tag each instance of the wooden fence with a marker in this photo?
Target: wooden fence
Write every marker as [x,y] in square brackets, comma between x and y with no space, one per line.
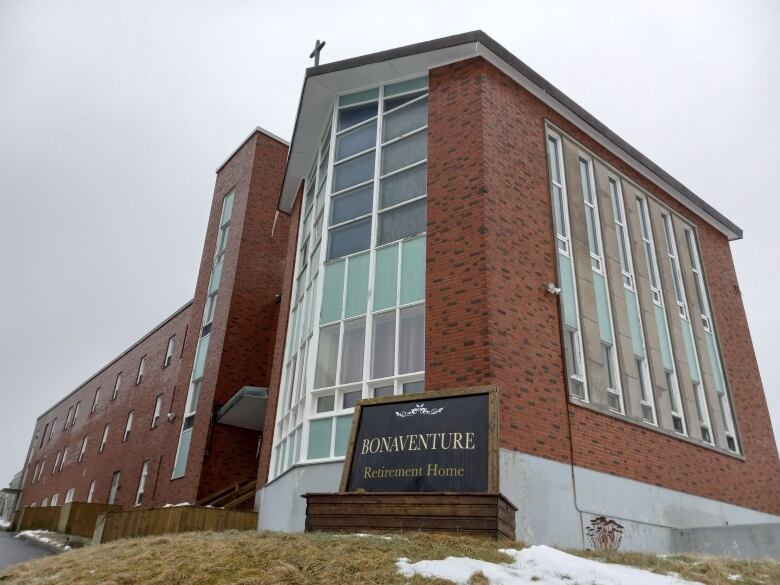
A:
[80,518]
[43,518]
[132,523]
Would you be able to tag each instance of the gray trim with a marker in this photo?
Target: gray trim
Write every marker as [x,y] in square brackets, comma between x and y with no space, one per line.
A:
[251,391]
[480,37]
[257,130]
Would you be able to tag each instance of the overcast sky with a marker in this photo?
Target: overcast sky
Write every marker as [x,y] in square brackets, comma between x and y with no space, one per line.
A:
[115,115]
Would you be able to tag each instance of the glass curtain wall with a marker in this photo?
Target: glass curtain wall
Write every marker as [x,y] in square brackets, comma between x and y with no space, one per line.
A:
[357,315]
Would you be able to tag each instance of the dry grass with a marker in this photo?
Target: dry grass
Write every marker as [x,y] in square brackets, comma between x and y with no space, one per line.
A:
[264,558]
[709,570]
[250,558]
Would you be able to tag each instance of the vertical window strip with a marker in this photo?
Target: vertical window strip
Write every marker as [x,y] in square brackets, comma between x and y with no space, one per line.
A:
[679,423]
[610,362]
[354,211]
[633,309]
[572,338]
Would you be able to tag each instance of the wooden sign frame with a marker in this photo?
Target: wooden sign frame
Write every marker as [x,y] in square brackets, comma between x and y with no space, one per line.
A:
[493,445]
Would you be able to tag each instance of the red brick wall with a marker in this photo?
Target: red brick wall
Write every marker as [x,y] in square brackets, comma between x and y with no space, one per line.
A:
[144,443]
[244,314]
[490,251]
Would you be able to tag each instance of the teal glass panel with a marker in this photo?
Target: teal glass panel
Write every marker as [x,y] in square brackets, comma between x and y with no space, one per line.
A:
[181,455]
[319,438]
[690,351]
[566,280]
[216,274]
[357,286]
[200,357]
[404,86]
[634,324]
[717,369]
[413,270]
[386,277]
[332,292]
[227,208]
[343,428]
[663,338]
[361,96]
[602,309]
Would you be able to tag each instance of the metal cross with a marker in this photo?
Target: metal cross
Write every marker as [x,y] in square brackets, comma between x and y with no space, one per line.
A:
[316,52]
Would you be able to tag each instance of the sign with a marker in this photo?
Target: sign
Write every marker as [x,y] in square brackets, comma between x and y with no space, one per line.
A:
[430,442]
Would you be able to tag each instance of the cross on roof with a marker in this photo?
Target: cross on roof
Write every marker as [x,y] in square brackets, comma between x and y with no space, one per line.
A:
[316,52]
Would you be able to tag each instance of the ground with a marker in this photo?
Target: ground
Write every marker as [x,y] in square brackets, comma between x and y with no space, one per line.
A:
[264,558]
[13,551]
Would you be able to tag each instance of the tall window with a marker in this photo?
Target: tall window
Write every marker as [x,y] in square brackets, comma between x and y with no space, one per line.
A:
[712,344]
[104,439]
[69,495]
[141,366]
[139,496]
[67,418]
[196,378]
[128,426]
[357,316]
[609,356]
[91,493]
[75,413]
[572,333]
[633,309]
[169,351]
[95,400]
[114,488]
[83,448]
[116,386]
[53,424]
[661,320]
[43,435]
[56,463]
[55,499]
[157,411]
[64,458]
[694,366]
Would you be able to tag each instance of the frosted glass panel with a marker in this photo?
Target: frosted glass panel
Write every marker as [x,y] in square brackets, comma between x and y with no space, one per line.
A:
[602,309]
[325,374]
[332,292]
[216,274]
[386,277]
[413,271]
[405,152]
[343,429]
[200,357]
[404,86]
[690,351]
[411,340]
[349,117]
[717,371]
[567,292]
[383,353]
[403,186]
[352,351]
[361,96]
[356,141]
[663,336]
[402,222]
[634,324]
[351,238]
[181,455]
[357,286]
[351,204]
[319,438]
[405,120]
[227,208]
[352,172]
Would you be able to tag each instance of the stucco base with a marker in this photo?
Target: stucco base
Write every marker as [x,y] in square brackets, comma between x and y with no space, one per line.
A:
[555,504]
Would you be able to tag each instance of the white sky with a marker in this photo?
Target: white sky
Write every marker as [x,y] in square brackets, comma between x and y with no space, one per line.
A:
[115,115]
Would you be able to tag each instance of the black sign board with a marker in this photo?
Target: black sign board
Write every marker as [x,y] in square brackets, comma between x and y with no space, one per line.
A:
[430,442]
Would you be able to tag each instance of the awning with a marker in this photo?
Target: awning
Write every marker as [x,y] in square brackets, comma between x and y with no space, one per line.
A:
[246,409]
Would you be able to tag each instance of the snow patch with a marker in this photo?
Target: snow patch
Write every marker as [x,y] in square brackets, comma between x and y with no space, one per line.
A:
[536,565]
[735,577]
[5,524]
[177,505]
[42,537]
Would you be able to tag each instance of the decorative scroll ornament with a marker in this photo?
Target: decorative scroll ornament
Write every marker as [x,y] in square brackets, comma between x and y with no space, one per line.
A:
[418,409]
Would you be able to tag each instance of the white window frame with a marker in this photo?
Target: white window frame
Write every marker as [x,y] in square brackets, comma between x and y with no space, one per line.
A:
[69,495]
[128,426]
[170,348]
[53,424]
[91,493]
[157,411]
[64,457]
[56,463]
[83,448]
[54,499]
[141,367]
[117,384]
[139,495]
[114,489]
[95,400]
[104,438]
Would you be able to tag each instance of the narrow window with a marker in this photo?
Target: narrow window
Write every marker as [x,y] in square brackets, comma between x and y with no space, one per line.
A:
[91,493]
[141,366]
[45,502]
[95,400]
[169,351]
[609,360]
[67,418]
[56,463]
[139,496]
[114,488]
[104,439]
[40,471]
[83,448]
[157,411]
[679,290]
[69,495]
[116,386]
[43,435]
[53,424]
[650,257]
[54,499]
[35,473]
[64,457]
[703,413]
[128,426]
[75,414]
[674,402]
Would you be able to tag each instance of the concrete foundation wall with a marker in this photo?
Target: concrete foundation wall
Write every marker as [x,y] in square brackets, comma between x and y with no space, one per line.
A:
[555,506]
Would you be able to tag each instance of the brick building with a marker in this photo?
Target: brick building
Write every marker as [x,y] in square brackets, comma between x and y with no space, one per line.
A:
[454,220]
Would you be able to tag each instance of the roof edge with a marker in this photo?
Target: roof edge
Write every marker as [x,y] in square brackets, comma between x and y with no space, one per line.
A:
[257,130]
